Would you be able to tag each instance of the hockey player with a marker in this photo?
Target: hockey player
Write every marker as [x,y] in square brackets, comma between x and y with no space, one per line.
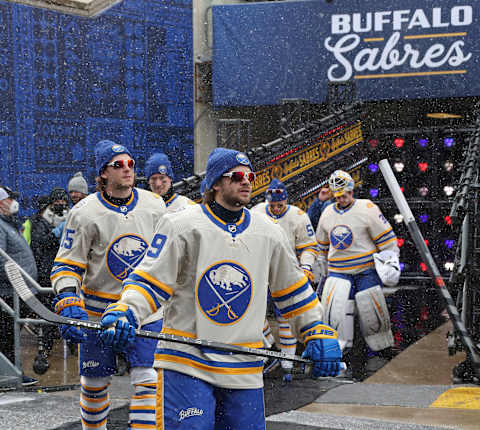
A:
[301,237]
[354,235]
[159,173]
[106,235]
[212,263]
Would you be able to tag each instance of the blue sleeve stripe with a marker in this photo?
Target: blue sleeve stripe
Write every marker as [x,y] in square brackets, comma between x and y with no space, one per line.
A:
[62,267]
[135,279]
[389,232]
[299,290]
[152,295]
[385,239]
[299,304]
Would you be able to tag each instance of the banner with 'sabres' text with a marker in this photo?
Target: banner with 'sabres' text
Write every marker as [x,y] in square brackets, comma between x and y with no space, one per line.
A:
[265,52]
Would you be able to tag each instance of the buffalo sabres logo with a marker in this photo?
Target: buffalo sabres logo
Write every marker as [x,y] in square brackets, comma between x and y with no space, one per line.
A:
[118,148]
[242,159]
[124,254]
[341,237]
[224,292]
[162,169]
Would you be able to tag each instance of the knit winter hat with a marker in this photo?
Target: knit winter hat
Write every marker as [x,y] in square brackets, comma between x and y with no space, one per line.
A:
[203,185]
[105,151]
[158,163]
[78,183]
[58,194]
[276,191]
[42,202]
[220,161]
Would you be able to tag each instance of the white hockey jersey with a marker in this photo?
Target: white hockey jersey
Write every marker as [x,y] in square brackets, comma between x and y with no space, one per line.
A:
[215,276]
[352,235]
[299,230]
[102,243]
[178,202]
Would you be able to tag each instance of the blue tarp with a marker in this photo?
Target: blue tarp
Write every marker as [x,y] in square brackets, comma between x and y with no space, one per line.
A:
[67,82]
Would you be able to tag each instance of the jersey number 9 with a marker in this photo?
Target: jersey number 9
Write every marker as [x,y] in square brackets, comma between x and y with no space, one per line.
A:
[157,245]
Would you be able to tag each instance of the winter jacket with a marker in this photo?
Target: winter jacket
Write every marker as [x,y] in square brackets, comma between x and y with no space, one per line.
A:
[44,245]
[15,245]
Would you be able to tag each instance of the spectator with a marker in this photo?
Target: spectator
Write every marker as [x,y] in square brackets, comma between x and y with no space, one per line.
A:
[318,206]
[39,233]
[14,244]
[77,188]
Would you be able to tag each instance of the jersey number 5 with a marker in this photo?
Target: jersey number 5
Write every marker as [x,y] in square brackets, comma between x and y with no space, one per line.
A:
[157,245]
[68,238]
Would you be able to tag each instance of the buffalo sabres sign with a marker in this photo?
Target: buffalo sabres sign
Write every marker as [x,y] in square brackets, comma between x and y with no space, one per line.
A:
[123,255]
[341,237]
[224,292]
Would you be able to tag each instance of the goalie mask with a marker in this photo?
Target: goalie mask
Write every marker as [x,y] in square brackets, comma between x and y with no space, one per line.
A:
[339,182]
[387,266]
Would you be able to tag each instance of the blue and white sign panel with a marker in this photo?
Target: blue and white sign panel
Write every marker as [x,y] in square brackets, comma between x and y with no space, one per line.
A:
[67,82]
[264,52]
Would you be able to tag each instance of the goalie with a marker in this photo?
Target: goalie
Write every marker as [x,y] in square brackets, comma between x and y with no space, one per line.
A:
[359,247]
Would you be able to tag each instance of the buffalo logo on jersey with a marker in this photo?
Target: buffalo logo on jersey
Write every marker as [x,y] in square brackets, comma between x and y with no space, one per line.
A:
[341,237]
[224,292]
[123,255]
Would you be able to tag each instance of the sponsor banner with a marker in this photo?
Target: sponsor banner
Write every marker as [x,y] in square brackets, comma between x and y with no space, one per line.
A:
[298,162]
[265,52]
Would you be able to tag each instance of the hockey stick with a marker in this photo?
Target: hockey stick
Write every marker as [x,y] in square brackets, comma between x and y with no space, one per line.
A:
[14,273]
[427,257]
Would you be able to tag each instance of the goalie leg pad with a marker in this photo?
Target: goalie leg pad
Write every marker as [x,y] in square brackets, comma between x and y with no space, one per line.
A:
[337,305]
[374,318]
[94,402]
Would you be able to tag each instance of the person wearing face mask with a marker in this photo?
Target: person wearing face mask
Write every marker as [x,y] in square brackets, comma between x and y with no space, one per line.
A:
[14,244]
[57,210]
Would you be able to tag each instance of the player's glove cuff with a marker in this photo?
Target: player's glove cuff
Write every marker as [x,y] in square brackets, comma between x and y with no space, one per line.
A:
[65,300]
[319,331]
[115,310]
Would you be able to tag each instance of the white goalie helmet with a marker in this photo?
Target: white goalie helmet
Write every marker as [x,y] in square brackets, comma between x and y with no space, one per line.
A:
[339,182]
[387,266]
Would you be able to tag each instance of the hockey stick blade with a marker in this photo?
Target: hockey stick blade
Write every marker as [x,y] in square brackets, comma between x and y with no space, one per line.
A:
[14,273]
